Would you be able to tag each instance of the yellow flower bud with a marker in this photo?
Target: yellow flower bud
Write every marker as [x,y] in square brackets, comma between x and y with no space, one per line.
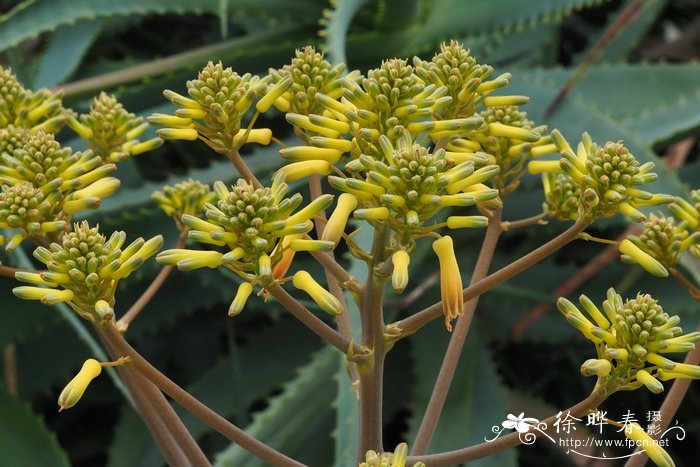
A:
[450,280]
[145,146]
[652,448]
[538,167]
[635,254]
[239,301]
[653,384]
[74,390]
[379,214]
[169,120]
[336,223]
[499,129]
[187,260]
[303,122]
[258,135]
[310,210]
[598,367]
[479,176]
[273,94]
[298,170]
[100,189]
[595,313]
[302,280]
[308,153]
[188,134]
[82,130]
[399,277]
[461,222]
[497,101]
[180,100]
[342,145]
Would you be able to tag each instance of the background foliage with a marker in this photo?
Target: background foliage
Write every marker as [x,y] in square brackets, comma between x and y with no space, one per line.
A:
[264,370]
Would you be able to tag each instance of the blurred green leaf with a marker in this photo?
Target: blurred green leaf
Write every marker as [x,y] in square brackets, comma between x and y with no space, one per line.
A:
[25,438]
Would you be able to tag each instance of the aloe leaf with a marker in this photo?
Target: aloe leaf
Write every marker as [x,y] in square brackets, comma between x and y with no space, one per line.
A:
[65,51]
[337,25]
[285,422]
[25,438]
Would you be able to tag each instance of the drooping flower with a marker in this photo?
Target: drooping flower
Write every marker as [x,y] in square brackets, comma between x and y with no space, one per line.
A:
[450,280]
[653,449]
[75,389]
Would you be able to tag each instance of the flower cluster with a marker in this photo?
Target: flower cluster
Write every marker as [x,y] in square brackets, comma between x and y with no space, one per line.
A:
[218,100]
[388,459]
[84,270]
[630,339]
[45,184]
[466,80]
[112,131]
[261,232]
[308,74]
[607,178]
[22,107]
[187,197]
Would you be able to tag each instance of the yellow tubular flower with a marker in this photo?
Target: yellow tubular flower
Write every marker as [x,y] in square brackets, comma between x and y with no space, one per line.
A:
[256,135]
[187,260]
[74,390]
[633,254]
[280,269]
[450,280]
[239,301]
[309,153]
[399,277]
[298,170]
[336,223]
[653,384]
[655,452]
[302,280]
[598,367]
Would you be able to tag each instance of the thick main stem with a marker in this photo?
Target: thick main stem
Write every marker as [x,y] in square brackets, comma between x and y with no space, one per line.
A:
[196,408]
[506,442]
[371,373]
[158,414]
[454,349]
[411,324]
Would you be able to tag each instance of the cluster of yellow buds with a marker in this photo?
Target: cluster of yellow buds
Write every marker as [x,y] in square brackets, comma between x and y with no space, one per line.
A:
[45,184]
[607,178]
[111,131]
[630,338]
[84,270]
[298,83]
[466,80]
[187,197]
[660,245]
[261,231]
[388,459]
[689,213]
[218,100]
[22,107]
[562,196]
[509,140]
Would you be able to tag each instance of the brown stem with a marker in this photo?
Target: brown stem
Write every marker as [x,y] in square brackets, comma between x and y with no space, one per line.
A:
[9,358]
[329,263]
[372,372]
[505,442]
[411,324]
[692,290]
[314,323]
[510,225]
[454,349]
[9,271]
[343,319]
[195,407]
[175,442]
[243,170]
[150,292]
